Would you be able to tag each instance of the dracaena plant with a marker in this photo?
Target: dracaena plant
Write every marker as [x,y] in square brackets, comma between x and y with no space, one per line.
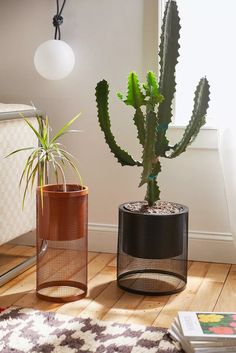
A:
[152,103]
[49,151]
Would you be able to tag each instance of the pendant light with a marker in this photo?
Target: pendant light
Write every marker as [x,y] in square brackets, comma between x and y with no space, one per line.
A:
[54,59]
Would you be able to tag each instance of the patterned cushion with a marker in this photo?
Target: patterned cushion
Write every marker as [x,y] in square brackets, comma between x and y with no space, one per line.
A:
[14,134]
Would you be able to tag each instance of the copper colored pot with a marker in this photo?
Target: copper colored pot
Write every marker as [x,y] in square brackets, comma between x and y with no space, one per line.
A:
[62,215]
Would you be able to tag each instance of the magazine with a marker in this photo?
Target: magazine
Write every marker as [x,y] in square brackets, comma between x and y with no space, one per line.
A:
[205,332]
[208,325]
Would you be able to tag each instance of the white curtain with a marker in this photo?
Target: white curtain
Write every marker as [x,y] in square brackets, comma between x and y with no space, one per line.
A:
[223,99]
[208,48]
[227,151]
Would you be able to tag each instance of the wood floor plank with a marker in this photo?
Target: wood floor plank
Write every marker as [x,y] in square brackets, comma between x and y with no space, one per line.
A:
[22,286]
[5,248]
[210,287]
[113,262]
[14,250]
[123,308]
[100,279]
[31,300]
[137,308]
[103,302]
[201,292]
[14,257]
[227,298]
[147,311]
[181,301]
[16,288]
[99,263]
[96,285]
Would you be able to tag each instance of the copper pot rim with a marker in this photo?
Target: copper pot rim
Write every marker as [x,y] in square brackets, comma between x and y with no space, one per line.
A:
[54,190]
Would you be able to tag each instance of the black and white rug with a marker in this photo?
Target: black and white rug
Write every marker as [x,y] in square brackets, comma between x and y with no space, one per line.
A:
[27,330]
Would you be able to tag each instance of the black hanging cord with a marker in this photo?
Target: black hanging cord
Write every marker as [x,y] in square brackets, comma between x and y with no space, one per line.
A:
[58,20]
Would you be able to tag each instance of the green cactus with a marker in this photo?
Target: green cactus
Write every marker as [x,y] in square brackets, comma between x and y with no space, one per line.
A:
[152,103]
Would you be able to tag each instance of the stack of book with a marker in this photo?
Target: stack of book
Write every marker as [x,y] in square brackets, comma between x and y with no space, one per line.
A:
[205,332]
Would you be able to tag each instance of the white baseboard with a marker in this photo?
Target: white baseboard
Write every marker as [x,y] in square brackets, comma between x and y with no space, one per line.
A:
[203,246]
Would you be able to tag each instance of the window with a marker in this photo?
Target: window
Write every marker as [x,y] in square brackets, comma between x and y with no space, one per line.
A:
[208,49]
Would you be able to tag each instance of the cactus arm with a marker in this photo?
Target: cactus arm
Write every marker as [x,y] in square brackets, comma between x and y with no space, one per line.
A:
[201,101]
[151,163]
[148,156]
[168,54]
[153,191]
[135,98]
[139,123]
[123,157]
[152,89]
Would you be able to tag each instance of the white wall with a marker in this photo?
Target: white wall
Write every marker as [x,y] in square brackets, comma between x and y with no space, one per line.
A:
[110,38]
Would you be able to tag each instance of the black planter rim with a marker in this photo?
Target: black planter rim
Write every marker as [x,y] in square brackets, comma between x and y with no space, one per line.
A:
[123,208]
[137,291]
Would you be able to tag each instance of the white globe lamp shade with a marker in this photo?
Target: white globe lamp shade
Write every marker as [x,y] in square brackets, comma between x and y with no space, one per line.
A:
[54,59]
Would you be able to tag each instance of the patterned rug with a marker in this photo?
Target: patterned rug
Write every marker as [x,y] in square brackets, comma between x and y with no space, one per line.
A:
[33,331]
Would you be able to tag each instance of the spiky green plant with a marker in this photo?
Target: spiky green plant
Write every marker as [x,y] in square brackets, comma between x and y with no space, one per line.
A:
[48,151]
[152,102]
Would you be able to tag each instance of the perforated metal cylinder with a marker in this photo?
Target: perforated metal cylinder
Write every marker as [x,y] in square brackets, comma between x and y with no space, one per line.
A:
[152,252]
[62,220]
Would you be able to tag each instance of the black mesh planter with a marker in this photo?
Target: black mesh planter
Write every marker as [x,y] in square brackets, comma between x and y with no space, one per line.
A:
[152,251]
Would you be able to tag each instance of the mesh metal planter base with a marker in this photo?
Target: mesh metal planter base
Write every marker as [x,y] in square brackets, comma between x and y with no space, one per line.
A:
[152,252]
[62,218]
[152,281]
[61,291]
[62,271]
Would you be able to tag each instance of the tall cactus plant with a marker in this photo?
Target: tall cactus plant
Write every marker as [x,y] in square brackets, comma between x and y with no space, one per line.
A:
[152,102]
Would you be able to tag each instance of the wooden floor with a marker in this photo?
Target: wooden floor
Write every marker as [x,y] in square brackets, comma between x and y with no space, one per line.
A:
[211,287]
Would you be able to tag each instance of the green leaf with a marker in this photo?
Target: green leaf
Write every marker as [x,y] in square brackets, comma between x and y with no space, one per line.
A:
[28,174]
[55,171]
[40,138]
[201,102]
[45,129]
[135,97]
[102,91]
[37,161]
[64,128]
[34,173]
[61,152]
[29,161]
[67,156]
[41,181]
[19,150]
